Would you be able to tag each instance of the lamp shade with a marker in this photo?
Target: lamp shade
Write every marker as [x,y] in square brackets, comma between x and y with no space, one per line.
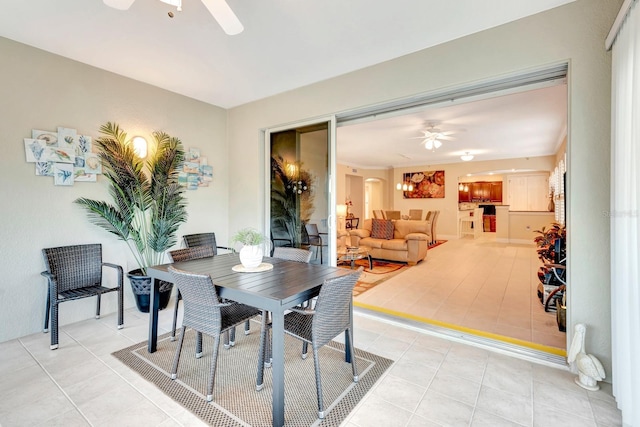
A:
[466,157]
[140,146]
[341,210]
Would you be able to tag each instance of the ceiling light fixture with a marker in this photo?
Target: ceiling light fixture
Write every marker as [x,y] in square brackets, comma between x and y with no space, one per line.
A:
[218,8]
[466,157]
[404,186]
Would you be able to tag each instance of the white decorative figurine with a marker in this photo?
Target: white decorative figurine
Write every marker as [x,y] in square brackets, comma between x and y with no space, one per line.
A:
[590,370]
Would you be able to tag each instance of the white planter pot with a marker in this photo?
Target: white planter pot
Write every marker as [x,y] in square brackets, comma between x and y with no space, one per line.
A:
[251,256]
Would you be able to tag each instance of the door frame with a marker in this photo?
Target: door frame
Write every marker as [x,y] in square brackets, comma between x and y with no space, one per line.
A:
[330,120]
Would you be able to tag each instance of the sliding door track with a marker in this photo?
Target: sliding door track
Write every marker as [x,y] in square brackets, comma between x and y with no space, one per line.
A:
[517,348]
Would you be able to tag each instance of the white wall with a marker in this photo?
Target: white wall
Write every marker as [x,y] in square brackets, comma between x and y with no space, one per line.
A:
[39,90]
[573,33]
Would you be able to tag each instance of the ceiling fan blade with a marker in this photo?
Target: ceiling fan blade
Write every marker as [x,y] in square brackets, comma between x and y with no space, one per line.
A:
[225,16]
[119,4]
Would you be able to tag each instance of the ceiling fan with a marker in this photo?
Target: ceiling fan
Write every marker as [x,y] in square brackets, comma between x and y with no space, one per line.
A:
[432,137]
[218,8]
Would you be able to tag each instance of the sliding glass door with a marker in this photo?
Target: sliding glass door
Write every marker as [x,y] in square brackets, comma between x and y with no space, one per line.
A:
[300,205]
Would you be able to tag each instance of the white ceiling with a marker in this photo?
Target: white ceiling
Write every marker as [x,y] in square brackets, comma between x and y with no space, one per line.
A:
[286,43]
[525,124]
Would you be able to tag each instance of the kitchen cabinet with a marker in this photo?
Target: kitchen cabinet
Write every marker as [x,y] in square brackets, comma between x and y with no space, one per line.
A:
[528,192]
[481,191]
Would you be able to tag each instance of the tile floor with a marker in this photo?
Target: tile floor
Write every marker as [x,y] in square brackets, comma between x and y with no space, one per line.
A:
[433,382]
[478,284]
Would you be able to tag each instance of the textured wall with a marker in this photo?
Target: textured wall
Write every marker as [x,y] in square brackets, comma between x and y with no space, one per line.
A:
[39,90]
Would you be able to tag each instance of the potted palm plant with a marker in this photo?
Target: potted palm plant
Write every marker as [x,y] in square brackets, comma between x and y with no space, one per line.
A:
[148,203]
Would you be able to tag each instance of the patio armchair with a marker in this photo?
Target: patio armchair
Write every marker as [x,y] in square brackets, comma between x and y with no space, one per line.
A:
[75,272]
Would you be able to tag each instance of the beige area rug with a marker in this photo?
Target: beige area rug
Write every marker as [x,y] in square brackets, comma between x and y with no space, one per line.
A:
[236,401]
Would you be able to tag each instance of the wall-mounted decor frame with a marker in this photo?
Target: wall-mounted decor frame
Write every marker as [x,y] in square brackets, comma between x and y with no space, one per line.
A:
[195,172]
[62,154]
[426,185]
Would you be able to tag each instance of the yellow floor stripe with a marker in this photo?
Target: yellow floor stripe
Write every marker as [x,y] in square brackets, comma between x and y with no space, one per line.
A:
[515,341]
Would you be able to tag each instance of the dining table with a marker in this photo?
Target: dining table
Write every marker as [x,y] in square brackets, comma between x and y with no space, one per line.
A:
[276,290]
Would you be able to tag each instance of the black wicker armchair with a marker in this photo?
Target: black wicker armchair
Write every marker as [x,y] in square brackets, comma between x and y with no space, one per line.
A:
[75,272]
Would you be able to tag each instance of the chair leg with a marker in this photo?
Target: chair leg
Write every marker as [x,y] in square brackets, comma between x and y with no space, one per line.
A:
[98,306]
[305,349]
[198,345]
[212,374]
[175,316]
[46,313]
[262,353]
[354,368]
[120,308]
[247,327]
[54,326]
[316,362]
[176,357]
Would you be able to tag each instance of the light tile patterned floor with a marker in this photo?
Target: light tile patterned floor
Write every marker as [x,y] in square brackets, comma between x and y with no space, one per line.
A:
[478,284]
[434,382]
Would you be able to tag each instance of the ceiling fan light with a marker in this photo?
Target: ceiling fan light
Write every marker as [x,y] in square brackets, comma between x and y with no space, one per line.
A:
[225,16]
[176,3]
[119,4]
[437,143]
[466,157]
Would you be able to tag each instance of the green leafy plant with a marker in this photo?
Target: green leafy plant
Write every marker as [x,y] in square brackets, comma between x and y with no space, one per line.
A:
[546,242]
[148,203]
[249,237]
[289,203]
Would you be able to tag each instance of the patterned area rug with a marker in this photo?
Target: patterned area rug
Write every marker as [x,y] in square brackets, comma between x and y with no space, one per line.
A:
[236,401]
[437,243]
[382,271]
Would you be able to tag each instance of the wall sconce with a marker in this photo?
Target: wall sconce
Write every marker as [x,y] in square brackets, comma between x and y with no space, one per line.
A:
[140,146]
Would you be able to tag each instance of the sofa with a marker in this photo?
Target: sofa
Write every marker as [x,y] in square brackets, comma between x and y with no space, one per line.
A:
[407,242]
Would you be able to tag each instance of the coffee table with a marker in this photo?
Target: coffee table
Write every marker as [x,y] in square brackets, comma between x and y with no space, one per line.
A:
[352,253]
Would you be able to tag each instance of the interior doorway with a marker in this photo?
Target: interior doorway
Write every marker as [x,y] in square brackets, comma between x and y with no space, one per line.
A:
[373,196]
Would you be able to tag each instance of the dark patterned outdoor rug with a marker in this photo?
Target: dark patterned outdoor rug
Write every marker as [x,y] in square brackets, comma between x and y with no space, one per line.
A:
[235,399]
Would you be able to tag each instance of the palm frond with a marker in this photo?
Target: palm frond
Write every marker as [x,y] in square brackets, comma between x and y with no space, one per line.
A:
[148,206]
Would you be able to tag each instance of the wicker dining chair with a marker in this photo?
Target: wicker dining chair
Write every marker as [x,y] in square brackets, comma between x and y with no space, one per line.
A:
[318,326]
[292,254]
[206,314]
[209,239]
[186,254]
[75,272]
[289,254]
[315,239]
[203,239]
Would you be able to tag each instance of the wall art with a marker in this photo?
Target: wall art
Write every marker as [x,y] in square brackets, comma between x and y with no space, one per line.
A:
[195,171]
[426,185]
[63,154]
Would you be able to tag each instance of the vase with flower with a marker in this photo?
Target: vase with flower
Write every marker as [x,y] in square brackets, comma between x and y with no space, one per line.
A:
[349,205]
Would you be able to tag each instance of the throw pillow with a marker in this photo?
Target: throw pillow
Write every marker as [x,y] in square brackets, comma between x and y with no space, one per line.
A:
[382,229]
